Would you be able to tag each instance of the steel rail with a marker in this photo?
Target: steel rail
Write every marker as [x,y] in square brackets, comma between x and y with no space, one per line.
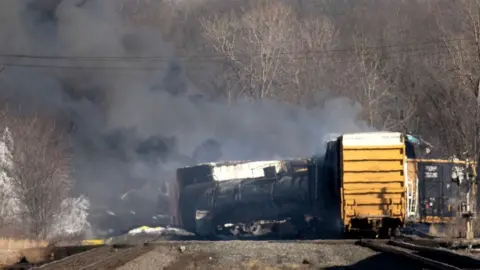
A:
[434,264]
[119,252]
[446,255]
[300,241]
[136,250]
[67,258]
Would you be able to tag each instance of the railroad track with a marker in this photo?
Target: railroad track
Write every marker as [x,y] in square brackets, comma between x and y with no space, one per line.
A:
[103,257]
[428,257]
[113,256]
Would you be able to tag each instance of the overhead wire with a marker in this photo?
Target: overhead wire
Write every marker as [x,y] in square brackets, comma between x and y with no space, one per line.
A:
[164,68]
[167,58]
[389,55]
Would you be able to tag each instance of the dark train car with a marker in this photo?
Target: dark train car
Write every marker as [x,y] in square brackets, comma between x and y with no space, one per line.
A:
[190,183]
[442,190]
[252,202]
[437,192]
[242,193]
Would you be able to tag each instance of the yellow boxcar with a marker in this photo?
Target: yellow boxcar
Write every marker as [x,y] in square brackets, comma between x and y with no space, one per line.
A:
[372,177]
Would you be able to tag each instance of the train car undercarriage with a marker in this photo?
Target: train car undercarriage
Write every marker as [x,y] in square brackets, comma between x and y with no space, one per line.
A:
[310,228]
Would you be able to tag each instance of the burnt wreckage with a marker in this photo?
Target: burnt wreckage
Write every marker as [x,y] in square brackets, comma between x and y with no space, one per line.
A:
[245,197]
[369,184]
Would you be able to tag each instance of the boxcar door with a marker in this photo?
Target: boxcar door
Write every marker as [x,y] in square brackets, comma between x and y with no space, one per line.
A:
[430,193]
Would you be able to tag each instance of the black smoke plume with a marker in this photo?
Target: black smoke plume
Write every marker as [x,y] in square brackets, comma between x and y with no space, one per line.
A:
[134,122]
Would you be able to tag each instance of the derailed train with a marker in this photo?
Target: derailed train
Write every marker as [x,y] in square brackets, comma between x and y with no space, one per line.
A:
[365,184]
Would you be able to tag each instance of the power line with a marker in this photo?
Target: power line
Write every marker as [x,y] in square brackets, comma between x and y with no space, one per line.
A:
[210,56]
[195,60]
[163,68]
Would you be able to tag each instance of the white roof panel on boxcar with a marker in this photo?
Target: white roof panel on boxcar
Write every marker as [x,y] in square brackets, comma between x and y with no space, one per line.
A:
[380,138]
[239,170]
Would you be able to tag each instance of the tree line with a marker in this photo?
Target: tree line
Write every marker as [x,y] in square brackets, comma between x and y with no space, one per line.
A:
[412,65]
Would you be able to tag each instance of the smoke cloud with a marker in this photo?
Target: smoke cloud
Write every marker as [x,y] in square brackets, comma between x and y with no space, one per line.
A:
[134,122]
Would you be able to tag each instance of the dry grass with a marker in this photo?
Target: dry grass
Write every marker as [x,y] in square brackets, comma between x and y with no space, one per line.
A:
[455,229]
[13,250]
[437,230]
[38,255]
[10,257]
[7,243]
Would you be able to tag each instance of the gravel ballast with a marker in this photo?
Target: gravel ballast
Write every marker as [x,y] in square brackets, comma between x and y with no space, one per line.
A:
[264,255]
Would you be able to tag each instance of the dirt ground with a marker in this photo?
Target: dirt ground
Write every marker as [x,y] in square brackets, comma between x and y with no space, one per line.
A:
[264,255]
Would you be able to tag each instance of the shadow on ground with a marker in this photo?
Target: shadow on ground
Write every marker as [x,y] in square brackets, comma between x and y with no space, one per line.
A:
[209,261]
[381,261]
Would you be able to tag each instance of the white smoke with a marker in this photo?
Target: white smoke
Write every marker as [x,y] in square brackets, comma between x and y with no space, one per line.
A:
[133,127]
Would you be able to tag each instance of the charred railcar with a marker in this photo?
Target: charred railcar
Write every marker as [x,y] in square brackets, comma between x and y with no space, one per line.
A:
[250,196]
[365,183]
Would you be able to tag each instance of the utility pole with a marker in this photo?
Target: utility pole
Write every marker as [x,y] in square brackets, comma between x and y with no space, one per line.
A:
[466,209]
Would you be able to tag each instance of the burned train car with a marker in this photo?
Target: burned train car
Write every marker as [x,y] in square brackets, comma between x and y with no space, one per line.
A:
[244,197]
[365,183]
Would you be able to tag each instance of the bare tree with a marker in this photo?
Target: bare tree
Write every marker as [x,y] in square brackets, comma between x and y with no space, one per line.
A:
[305,70]
[253,44]
[457,74]
[303,52]
[39,175]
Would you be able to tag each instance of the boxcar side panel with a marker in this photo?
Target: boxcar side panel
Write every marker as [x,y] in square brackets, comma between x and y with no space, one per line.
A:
[373,184]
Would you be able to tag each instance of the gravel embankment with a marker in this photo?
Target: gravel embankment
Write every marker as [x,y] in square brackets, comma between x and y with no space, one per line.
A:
[264,255]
